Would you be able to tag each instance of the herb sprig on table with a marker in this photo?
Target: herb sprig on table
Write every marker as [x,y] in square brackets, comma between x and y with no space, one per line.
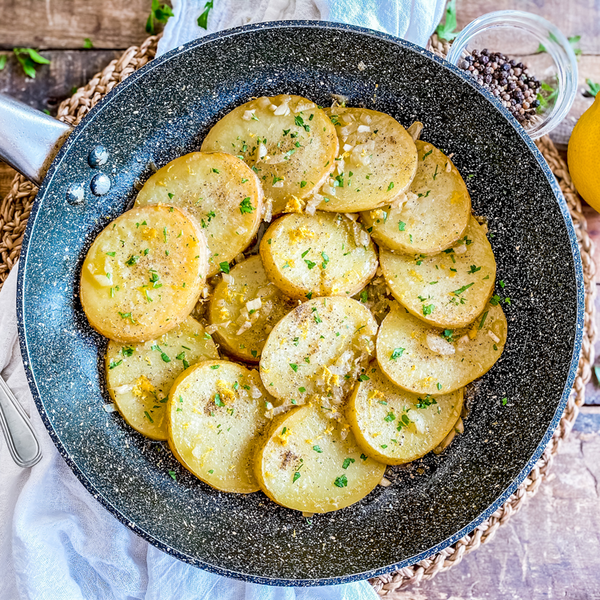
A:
[446,31]
[159,13]
[203,18]
[29,59]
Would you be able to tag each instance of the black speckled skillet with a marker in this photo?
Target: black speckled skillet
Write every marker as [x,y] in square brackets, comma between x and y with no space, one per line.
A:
[164,110]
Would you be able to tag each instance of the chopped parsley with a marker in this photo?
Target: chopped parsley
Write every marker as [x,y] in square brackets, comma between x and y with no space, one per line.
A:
[114,364]
[224,266]
[296,476]
[246,205]
[428,309]
[347,462]
[390,417]
[425,402]
[294,367]
[464,288]
[341,481]
[397,353]
[401,225]
[317,449]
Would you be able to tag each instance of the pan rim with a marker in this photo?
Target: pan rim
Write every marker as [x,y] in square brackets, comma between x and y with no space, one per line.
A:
[579,321]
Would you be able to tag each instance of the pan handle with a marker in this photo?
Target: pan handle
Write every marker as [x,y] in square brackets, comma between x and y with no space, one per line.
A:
[29,139]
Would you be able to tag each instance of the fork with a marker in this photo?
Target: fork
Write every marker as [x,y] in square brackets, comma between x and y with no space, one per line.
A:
[22,442]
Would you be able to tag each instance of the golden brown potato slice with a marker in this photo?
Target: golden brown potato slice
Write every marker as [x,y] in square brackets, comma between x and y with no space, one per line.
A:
[377,161]
[317,351]
[427,360]
[143,273]
[245,306]
[325,254]
[139,376]
[436,211]
[216,416]
[448,289]
[312,463]
[395,426]
[287,140]
[219,191]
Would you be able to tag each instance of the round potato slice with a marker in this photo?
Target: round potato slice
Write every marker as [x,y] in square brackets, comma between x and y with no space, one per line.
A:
[221,192]
[377,161]
[426,360]
[215,420]
[435,213]
[449,289]
[395,426]
[312,463]
[143,273]
[288,141]
[139,376]
[245,307]
[317,351]
[324,254]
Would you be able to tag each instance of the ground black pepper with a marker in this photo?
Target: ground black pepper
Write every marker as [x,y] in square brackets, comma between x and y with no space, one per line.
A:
[507,79]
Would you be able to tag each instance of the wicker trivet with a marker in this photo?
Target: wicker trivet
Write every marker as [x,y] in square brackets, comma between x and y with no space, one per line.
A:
[15,209]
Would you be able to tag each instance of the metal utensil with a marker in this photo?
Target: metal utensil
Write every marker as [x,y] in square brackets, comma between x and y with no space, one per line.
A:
[22,442]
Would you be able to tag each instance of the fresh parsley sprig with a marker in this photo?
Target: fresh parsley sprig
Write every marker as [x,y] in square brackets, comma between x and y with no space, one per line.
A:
[29,59]
[159,13]
[203,18]
[446,31]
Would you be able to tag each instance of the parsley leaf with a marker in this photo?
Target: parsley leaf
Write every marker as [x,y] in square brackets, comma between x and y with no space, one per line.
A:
[158,13]
[203,18]
[341,481]
[446,31]
[246,206]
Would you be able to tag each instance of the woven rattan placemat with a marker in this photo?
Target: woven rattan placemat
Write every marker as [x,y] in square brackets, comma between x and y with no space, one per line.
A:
[15,209]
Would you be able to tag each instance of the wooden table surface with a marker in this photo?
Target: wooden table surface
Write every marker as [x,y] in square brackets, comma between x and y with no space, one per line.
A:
[551,549]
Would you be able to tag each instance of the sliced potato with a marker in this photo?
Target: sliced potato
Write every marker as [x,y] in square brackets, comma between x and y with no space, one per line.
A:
[312,463]
[435,213]
[216,416]
[245,307]
[426,360]
[221,192]
[288,141]
[449,289]
[324,254]
[139,376]
[377,161]
[143,273]
[395,426]
[316,352]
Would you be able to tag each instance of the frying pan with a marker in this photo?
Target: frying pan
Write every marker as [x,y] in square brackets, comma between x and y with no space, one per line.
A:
[163,111]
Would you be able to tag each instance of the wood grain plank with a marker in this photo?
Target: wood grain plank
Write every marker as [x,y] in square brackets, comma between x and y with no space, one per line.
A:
[548,551]
[6,176]
[573,17]
[53,82]
[110,24]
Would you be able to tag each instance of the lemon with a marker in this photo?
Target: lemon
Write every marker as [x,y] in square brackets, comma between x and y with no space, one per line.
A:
[584,155]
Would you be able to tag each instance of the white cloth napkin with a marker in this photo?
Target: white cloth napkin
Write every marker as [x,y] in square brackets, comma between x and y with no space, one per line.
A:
[56,541]
[413,20]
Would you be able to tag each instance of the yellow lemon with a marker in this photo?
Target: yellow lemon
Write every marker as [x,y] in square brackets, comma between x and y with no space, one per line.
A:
[584,155]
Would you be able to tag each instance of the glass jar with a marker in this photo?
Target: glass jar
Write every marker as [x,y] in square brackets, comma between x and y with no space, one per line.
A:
[540,46]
